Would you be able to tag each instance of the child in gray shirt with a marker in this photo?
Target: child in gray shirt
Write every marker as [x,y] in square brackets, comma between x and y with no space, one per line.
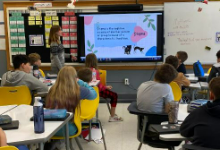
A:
[153,95]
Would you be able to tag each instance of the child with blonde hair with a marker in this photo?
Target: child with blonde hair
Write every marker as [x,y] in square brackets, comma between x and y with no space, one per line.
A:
[66,93]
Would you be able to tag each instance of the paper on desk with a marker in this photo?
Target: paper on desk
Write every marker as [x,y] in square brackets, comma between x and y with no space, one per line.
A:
[96,134]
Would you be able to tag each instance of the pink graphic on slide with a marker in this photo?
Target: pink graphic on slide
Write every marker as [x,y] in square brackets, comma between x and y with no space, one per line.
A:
[88,20]
[138,34]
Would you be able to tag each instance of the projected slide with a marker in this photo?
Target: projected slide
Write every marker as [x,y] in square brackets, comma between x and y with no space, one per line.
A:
[121,35]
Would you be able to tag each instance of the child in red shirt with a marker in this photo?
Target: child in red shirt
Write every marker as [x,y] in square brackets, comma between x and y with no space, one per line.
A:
[104,91]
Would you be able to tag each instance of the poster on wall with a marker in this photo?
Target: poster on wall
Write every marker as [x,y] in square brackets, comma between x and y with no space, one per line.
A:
[36,40]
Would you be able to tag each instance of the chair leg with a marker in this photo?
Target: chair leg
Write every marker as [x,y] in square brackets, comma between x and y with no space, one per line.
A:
[78,143]
[171,148]
[139,147]
[71,144]
[90,128]
[103,136]
[108,105]
[97,114]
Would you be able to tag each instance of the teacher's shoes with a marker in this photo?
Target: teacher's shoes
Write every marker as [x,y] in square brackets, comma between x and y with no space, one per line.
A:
[116,118]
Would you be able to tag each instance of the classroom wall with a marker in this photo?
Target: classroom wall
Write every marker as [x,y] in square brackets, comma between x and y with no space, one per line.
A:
[114,77]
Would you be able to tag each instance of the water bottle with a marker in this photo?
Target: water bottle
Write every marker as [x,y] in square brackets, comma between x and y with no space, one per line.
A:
[36,72]
[216,74]
[93,75]
[38,116]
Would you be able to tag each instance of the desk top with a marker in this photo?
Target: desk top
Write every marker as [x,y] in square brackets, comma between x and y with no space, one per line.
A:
[94,83]
[199,85]
[193,75]
[4,109]
[23,113]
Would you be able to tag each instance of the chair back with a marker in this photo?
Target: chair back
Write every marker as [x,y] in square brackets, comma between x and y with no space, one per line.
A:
[42,73]
[15,95]
[9,148]
[103,77]
[208,72]
[89,107]
[177,93]
[77,122]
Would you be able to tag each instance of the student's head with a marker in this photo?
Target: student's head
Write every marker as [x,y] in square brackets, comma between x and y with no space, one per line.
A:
[55,33]
[65,93]
[22,63]
[172,60]
[218,56]
[35,59]
[91,61]
[165,74]
[214,86]
[85,74]
[182,56]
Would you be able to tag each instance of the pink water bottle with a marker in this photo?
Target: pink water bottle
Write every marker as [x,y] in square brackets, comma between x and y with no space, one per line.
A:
[93,75]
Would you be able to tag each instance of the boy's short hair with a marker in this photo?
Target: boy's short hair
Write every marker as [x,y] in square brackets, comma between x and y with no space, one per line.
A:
[218,54]
[20,59]
[85,74]
[165,74]
[214,86]
[182,55]
[34,57]
[172,60]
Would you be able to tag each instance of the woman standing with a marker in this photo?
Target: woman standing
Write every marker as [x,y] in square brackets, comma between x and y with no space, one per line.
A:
[57,53]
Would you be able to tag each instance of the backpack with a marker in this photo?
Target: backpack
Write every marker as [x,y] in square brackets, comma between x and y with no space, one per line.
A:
[198,69]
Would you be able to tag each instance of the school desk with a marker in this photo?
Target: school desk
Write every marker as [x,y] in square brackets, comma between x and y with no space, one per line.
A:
[25,133]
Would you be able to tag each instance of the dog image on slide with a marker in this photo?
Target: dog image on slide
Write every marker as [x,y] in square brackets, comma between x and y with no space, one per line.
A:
[127,49]
[138,48]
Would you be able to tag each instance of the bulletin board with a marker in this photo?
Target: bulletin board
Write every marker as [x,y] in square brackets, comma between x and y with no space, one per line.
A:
[28,31]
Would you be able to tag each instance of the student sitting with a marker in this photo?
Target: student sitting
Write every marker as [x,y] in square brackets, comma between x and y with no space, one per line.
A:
[35,61]
[215,71]
[20,76]
[153,95]
[181,80]
[202,125]
[66,93]
[182,57]
[104,91]
[85,74]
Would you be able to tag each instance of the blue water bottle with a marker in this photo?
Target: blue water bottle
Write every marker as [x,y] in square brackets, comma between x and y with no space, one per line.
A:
[38,116]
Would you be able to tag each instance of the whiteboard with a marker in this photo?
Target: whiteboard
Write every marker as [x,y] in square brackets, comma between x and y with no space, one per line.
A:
[191,30]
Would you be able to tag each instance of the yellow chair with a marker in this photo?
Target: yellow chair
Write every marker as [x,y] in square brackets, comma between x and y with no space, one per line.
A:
[8,148]
[177,93]
[103,75]
[88,111]
[77,121]
[42,73]
[15,95]
[208,72]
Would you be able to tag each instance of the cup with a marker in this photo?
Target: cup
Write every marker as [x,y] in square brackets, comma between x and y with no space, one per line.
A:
[173,108]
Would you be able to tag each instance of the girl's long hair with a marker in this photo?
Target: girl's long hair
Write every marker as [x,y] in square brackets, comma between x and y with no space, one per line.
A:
[65,93]
[54,37]
[91,61]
